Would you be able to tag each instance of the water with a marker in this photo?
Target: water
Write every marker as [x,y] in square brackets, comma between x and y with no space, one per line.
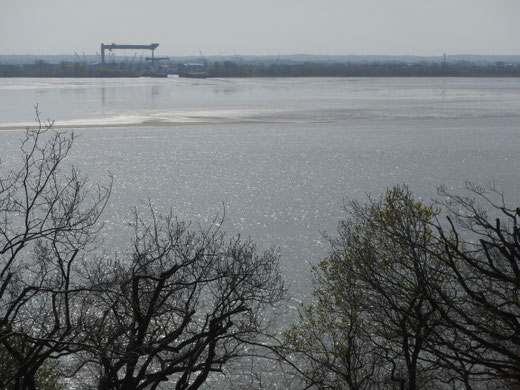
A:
[279,155]
[100,102]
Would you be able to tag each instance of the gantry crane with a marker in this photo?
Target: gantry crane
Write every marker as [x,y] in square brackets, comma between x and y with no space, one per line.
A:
[114,46]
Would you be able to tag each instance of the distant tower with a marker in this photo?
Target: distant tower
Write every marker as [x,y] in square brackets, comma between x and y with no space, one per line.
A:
[444,60]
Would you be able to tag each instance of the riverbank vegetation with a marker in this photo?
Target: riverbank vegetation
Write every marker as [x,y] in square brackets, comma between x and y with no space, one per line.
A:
[412,295]
[65,69]
[231,69]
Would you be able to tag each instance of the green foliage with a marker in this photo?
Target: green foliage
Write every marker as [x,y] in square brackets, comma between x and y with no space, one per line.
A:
[403,301]
[46,377]
[371,319]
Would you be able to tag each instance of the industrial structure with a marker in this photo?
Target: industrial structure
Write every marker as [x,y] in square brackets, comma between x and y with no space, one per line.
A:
[114,46]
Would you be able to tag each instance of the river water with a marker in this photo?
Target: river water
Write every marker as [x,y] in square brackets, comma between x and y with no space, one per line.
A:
[281,156]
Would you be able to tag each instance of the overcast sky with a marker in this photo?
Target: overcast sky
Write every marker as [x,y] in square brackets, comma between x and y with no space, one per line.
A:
[263,27]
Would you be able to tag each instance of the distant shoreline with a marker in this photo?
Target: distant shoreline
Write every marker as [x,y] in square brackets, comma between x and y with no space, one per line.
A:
[41,69]
[463,69]
[307,69]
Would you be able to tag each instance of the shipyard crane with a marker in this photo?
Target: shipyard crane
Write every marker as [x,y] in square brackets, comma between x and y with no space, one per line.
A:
[203,59]
[114,46]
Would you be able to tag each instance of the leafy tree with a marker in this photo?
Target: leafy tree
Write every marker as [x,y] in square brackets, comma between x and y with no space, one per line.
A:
[372,323]
[46,377]
[330,347]
[405,300]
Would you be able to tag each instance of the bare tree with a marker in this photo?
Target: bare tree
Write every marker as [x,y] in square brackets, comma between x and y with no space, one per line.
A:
[480,305]
[177,307]
[48,217]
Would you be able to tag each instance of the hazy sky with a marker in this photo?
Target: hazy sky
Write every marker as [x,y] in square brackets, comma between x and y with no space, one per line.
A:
[396,27]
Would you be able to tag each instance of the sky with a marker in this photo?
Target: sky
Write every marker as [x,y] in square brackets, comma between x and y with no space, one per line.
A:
[263,27]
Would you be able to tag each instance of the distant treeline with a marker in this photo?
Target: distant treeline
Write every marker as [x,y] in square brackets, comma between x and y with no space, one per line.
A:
[64,69]
[308,69]
[231,69]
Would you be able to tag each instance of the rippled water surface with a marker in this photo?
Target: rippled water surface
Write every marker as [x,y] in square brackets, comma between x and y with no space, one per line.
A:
[280,155]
